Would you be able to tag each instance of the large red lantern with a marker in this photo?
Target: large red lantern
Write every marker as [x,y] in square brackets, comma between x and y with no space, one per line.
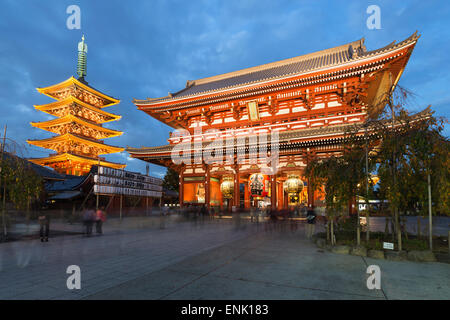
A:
[259,185]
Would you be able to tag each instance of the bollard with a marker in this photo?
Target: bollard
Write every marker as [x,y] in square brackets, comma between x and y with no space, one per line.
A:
[448,240]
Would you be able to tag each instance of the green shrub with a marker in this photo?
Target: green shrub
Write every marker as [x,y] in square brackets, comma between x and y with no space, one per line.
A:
[378,245]
[415,244]
[347,224]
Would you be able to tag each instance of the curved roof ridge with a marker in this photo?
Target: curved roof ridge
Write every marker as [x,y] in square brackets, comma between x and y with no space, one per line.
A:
[76,137]
[350,52]
[84,85]
[73,156]
[69,118]
[72,99]
[358,44]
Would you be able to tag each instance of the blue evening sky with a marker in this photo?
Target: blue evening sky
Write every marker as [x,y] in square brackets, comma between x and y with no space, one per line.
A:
[140,49]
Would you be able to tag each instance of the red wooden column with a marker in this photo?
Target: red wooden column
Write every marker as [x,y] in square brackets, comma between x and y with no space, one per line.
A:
[273,192]
[181,189]
[221,198]
[246,196]
[280,196]
[207,187]
[236,197]
[309,155]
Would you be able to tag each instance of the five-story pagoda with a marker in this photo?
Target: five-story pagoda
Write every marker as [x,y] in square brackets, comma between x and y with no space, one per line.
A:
[78,124]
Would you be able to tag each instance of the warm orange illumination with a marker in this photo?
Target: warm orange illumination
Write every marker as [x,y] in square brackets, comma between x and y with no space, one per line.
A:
[54,90]
[74,160]
[78,124]
[68,106]
[65,140]
[57,126]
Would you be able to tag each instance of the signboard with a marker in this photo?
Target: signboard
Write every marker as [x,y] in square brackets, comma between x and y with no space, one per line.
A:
[253,111]
[362,221]
[114,181]
[388,245]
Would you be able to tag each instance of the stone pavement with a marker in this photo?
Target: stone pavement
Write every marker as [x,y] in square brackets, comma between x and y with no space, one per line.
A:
[219,259]
[35,270]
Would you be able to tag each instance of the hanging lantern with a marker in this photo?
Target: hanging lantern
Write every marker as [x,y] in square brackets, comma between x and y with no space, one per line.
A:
[259,185]
[227,187]
[293,184]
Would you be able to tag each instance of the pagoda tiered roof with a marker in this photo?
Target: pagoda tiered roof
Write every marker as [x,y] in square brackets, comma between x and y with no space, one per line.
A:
[59,141]
[75,159]
[86,93]
[83,126]
[78,123]
[67,106]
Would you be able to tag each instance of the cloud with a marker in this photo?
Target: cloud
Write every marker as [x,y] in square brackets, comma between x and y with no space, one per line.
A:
[160,174]
[23,108]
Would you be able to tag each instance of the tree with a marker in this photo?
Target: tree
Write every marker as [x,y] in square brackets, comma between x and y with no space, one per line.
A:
[388,127]
[342,176]
[411,154]
[20,184]
[171,180]
[317,173]
[428,154]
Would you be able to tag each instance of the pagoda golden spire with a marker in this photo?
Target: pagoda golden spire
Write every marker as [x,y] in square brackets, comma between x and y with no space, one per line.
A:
[78,124]
[82,51]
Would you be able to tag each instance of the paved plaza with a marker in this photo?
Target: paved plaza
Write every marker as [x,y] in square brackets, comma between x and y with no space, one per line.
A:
[143,258]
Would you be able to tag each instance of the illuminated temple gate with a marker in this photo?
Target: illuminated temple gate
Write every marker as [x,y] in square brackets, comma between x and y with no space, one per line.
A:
[308,100]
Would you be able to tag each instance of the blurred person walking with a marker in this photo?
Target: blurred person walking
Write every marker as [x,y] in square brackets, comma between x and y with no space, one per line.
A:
[44,226]
[100,218]
[310,222]
[203,212]
[252,214]
[88,220]
[162,217]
